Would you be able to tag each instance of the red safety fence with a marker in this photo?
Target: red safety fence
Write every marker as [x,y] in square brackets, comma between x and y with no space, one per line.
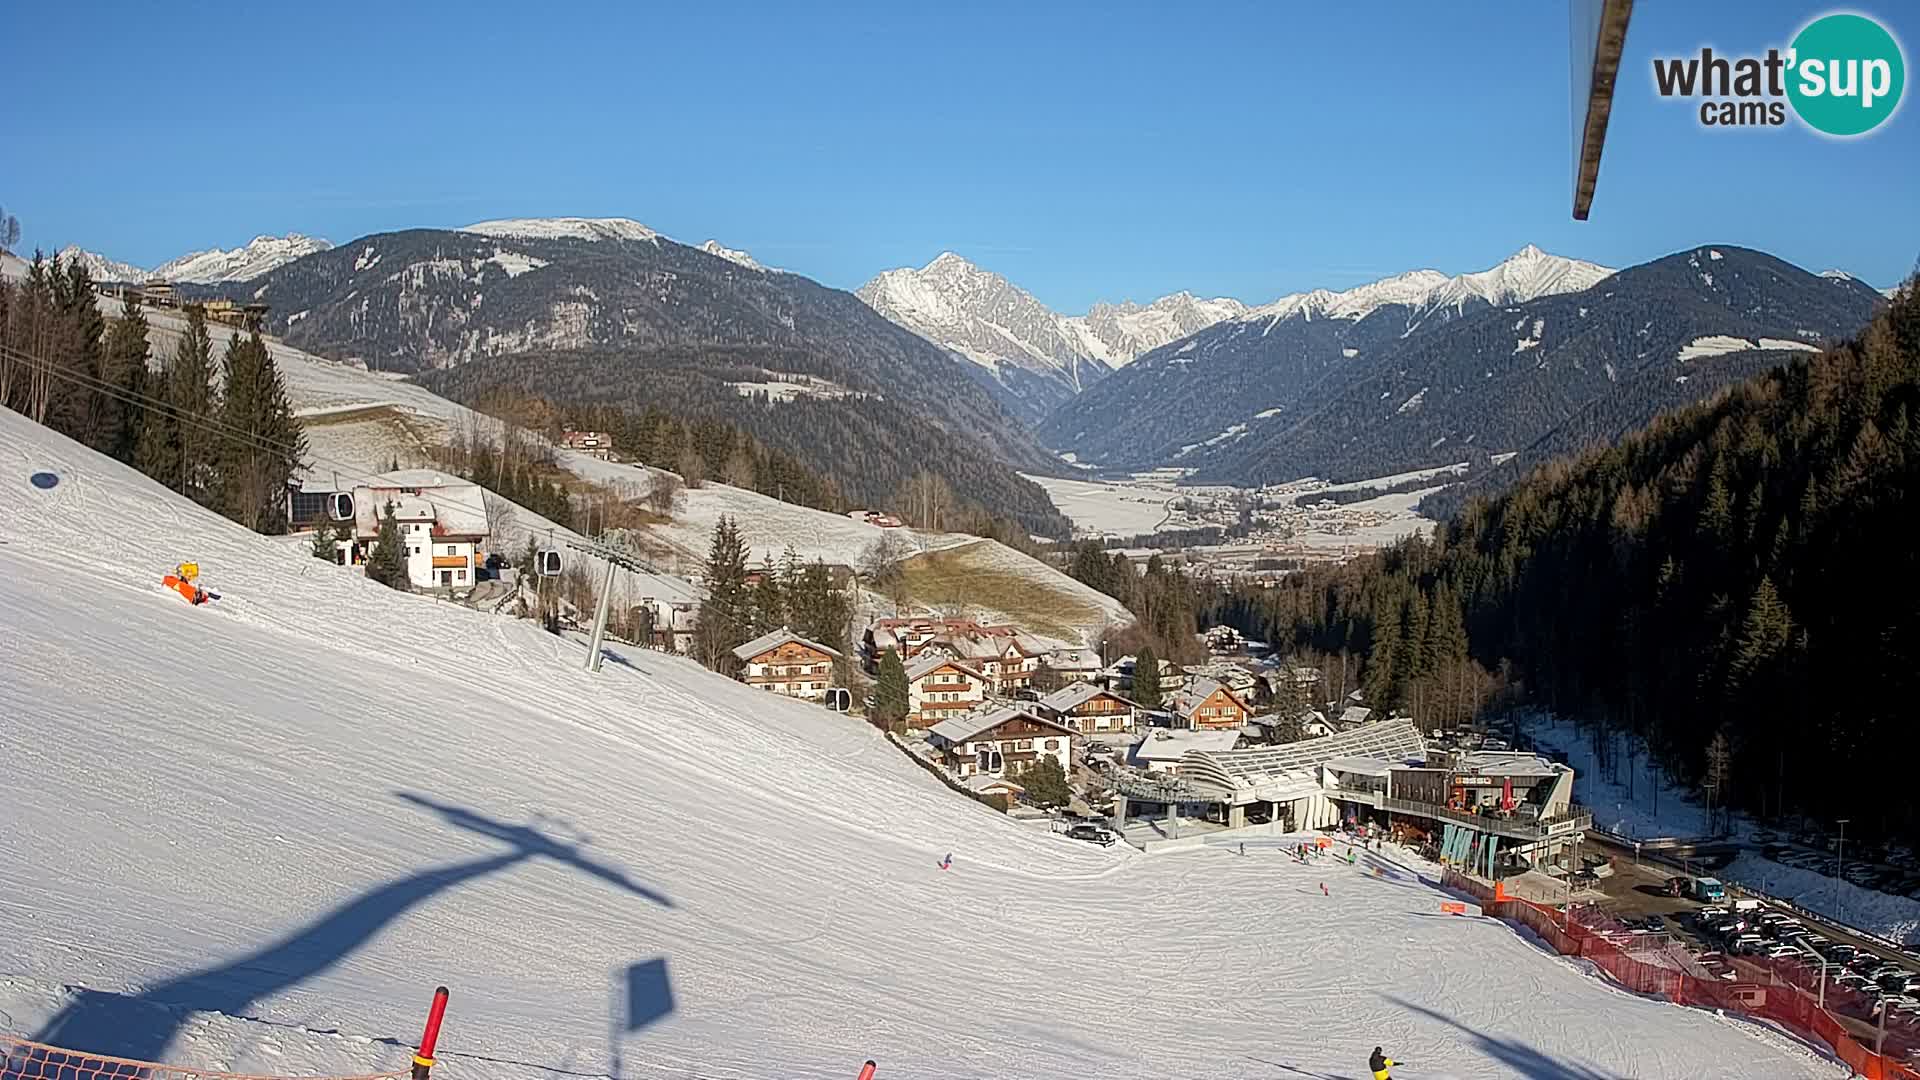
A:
[25,1060]
[1784,992]
[21,1059]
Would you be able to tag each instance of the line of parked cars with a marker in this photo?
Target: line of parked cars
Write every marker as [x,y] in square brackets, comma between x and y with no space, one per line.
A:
[1747,928]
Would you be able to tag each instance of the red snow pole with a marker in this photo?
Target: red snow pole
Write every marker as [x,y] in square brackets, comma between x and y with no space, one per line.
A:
[423,1061]
[866,1071]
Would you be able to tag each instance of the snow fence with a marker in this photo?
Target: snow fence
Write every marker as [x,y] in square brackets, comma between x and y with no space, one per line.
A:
[1783,992]
[23,1060]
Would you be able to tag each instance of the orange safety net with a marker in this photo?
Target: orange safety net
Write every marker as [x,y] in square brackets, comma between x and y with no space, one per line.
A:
[25,1060]
[1783,991]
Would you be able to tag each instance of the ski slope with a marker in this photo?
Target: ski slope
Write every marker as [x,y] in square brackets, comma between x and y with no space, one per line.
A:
[254,835]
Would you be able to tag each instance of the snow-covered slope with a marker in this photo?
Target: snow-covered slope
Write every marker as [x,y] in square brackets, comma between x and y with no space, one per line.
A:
[565,228]
[1117,334]
[1032,355]
[982,318]
[256,257]
[1525,275]
[101,267]
[733,255]
[253,835]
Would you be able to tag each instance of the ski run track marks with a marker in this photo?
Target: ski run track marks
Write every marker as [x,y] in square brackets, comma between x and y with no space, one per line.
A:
[254,836]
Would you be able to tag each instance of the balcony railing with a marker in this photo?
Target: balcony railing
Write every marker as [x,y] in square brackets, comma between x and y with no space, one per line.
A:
[1520,827]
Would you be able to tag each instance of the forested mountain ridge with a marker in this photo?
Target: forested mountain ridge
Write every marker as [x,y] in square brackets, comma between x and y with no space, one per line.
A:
[1603,360]
[624,297]
[1740,572]
[870,449]
[1212,388]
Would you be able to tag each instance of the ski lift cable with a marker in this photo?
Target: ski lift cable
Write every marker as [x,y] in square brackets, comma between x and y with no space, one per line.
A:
[545,556]
[213,426]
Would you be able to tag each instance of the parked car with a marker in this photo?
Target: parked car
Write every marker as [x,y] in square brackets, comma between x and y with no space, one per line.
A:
[1093,834]
[1656,924]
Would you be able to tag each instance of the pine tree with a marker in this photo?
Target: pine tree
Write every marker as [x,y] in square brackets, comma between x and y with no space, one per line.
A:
[1045,782]
[890,690]
[388,563]
[127,351]
[1719,775]
[768,606]
[96,409]
[1146,679]
[191,400]
[156,449]
[264,444]
[1764,633]
[324,546]
[726,615]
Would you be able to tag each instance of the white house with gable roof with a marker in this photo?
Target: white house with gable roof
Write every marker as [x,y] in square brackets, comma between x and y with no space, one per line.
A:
[442,519]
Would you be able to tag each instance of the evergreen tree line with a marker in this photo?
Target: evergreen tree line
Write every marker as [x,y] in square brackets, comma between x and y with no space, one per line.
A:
[219,432]
[1164,598]
[1732,589]
[793,593]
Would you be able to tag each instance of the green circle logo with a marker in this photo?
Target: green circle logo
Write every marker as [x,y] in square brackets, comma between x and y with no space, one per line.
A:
[1847,74]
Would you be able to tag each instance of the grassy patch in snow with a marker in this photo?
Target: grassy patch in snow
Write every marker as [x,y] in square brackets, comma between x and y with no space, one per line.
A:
[967,577]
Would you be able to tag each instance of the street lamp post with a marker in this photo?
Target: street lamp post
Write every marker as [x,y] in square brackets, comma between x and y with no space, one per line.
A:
[1840,866]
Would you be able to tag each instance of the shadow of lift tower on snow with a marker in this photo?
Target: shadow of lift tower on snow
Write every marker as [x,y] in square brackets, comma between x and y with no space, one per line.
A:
[142,1026]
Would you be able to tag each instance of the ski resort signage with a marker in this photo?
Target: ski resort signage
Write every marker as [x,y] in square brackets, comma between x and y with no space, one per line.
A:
[1842,75]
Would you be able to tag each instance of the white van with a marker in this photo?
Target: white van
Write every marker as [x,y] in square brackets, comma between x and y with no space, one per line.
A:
[1747,905]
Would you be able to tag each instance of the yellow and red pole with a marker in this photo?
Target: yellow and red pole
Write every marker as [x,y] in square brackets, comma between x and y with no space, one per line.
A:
[423,1060]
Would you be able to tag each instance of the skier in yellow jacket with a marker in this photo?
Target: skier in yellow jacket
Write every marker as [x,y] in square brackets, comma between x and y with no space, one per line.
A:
[1380,1063]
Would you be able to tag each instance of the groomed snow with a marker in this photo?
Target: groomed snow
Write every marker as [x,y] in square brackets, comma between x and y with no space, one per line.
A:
[255,835]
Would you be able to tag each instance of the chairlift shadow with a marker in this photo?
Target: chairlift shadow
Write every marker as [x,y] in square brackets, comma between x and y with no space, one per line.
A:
[143,1026]
[1527,1061]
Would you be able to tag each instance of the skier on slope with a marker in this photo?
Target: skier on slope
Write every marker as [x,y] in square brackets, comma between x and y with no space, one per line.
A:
[1380,1063]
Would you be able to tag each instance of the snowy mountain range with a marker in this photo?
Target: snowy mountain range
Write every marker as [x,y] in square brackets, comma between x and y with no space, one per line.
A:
[250,260]
[1215,381]
[1033,357]
[609,311]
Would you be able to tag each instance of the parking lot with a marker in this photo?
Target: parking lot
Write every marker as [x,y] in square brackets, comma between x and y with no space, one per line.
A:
[1859,972]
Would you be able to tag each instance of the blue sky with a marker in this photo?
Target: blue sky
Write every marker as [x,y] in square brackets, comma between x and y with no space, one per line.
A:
[1087,151]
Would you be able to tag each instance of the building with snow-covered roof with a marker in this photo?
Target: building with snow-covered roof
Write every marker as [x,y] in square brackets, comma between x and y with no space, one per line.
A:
[1074,665]
[1208,705]
[939,686]
[1514,813]
[1000,742]
[442,519]
[1162,749]
[783,662]
[1089,709]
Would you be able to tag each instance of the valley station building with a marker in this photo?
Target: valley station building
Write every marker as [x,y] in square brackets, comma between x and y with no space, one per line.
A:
[1495,813]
